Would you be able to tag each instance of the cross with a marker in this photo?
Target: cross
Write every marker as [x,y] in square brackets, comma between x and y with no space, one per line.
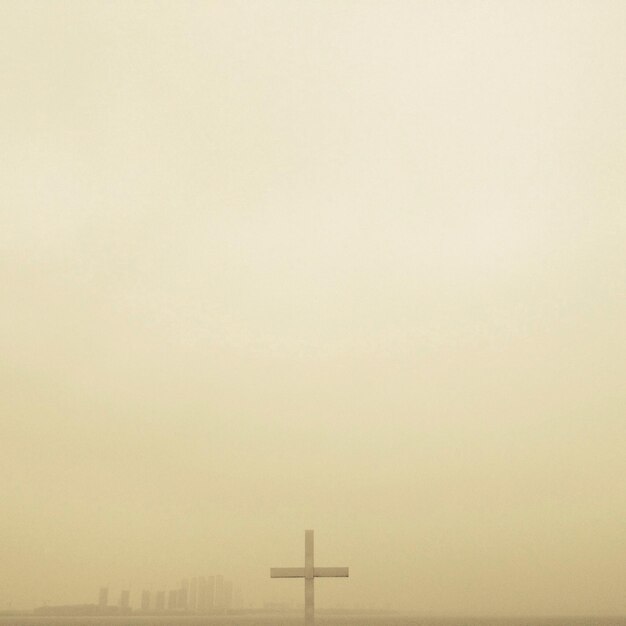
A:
[309,572]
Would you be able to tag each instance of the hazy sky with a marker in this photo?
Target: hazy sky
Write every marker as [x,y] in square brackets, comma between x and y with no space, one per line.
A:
[351,266]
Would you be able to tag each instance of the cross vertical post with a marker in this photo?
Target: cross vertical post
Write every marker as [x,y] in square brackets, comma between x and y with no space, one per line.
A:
[309,572]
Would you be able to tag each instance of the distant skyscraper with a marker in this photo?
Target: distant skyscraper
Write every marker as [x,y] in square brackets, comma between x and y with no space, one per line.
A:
[220,597]
[220,593]
[172,599]
[201,605]
[103,598]
[125,599]
[193,594]
[159,603]
[183,595]
[228,595]
[210,593]
[145,600]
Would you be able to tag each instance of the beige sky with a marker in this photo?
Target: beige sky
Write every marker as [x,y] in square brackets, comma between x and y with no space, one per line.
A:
[351,266]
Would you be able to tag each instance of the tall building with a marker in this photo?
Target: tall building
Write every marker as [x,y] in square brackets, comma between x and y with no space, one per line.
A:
[210,593]
[159,603]
[172,599]
[228,595]
[183,595]
[145,600]
[201,604]
[103,597]
[125,599]
[193,594]
[219,601]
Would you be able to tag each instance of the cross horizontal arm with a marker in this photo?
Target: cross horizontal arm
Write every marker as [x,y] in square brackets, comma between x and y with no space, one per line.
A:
[331,572]
[287,572]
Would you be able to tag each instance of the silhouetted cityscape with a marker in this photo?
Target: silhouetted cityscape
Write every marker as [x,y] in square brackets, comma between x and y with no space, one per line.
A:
[197,595]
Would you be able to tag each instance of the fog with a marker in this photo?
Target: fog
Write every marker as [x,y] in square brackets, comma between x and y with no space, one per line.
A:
[357,267]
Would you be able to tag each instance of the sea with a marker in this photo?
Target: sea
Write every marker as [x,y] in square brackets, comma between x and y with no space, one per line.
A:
[327,620]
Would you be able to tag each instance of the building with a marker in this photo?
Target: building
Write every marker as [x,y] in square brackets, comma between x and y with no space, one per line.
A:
[210,583]
[145,600]
[183,595]
[125,599]
[159,602]
[202,605]
[172,599]
[219,597]
[228,595]
[103,597]
[193,594]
